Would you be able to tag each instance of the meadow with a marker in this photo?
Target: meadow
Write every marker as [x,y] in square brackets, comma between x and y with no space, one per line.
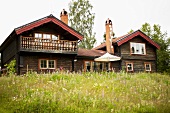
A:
[105,92]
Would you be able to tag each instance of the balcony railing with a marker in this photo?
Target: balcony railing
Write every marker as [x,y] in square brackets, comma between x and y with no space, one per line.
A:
[39,44]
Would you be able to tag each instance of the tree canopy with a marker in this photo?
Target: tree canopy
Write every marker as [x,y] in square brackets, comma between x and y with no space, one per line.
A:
[82,20]
[163,55]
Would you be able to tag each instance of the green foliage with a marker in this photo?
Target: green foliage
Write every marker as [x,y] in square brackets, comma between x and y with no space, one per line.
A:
[11,67]
[104,36]
[131,31]
[87,92]
[163,55]
[82,20]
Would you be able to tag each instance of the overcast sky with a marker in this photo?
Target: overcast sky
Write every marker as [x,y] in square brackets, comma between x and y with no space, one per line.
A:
[125,14]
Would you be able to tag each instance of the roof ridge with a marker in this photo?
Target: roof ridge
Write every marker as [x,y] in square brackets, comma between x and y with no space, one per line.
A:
[126,35]
[34,21]
[49,16]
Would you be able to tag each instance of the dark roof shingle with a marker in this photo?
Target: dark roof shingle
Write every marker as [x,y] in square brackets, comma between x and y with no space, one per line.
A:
[90,53]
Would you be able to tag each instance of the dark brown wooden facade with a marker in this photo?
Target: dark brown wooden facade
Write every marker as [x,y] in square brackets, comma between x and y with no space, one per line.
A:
[48,45]
[138,60]
[145,62]
[43,53]
[30,62]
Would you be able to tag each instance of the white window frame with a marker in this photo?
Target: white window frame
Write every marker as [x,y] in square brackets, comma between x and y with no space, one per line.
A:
[47,64]
[150,68]
[54,37]
[127,64]
[46,36]
[38,35]
[137,48]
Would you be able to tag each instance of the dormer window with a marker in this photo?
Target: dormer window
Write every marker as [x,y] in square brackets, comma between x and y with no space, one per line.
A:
[137,48]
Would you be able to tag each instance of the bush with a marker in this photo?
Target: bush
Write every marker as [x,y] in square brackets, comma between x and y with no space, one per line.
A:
[11,67]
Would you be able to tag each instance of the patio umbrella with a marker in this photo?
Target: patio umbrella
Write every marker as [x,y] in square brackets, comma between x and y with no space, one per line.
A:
[107,57]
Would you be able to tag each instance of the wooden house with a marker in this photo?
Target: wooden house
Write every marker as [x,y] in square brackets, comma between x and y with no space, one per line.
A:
[137,51]
[49,44]
[43,45]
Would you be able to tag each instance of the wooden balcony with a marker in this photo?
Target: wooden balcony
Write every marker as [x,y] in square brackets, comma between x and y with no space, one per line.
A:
[33,44]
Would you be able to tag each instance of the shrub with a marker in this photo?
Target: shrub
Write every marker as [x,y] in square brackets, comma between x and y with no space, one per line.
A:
[11,67]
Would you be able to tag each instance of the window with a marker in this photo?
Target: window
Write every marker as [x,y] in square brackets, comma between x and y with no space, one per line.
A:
[137,48]
[43,64]
[54,37]
[47,64]
[51,63]
[38,35]
[87,65]
[147,66]
[129,66]
[46,36]
[96,66]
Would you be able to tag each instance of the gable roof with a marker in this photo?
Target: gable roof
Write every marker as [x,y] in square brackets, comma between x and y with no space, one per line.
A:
[48,19]
[123,39]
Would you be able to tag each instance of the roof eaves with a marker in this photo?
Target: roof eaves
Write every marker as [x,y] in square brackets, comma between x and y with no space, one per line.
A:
[125,36]
[47,19]
[68,26]
[33,22]
[31,25]
[150,40]
[130,36]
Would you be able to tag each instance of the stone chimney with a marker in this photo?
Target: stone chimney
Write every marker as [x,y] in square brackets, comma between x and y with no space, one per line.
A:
[64,16]
[109,36]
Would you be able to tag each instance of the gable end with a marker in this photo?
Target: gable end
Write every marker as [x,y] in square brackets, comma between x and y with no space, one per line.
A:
[47,19]
[137,33]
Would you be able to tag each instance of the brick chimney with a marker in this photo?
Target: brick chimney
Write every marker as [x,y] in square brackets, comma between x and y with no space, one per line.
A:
[64,16]
[109,36]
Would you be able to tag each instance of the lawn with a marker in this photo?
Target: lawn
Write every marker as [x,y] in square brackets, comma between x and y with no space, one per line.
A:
[85,93]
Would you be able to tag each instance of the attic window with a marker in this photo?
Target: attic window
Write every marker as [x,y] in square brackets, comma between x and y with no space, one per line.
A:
[137,48]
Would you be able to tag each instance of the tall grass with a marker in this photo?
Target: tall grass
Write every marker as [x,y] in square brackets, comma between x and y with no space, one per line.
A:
[86,92]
